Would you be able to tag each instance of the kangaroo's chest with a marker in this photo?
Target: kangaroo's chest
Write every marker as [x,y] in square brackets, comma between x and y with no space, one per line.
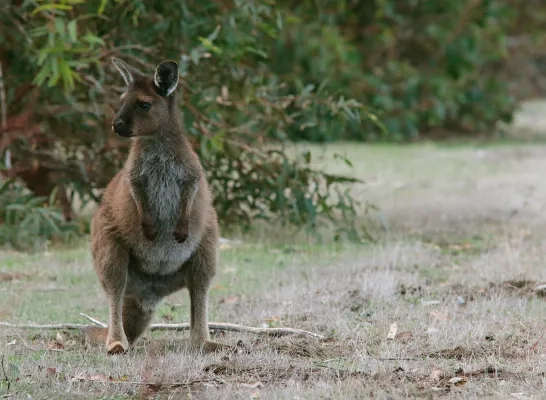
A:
[160,179]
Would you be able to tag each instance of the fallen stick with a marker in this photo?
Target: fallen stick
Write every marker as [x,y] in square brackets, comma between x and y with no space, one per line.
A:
[179,327]
[153,384]
[95,321]
[223,327]
[220,326]
[44,327]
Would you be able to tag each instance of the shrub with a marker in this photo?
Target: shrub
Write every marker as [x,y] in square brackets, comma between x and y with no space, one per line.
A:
[422,66]
[25,223]
[61,90]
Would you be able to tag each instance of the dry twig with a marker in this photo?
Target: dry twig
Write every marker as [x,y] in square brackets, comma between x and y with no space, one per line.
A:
[95,321]
[44,327]
[180,327]
[220,326]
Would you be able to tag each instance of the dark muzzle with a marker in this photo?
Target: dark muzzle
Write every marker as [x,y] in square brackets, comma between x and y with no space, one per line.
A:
[121,128]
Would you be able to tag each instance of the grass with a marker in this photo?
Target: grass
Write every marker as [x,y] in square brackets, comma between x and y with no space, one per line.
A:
[456,268]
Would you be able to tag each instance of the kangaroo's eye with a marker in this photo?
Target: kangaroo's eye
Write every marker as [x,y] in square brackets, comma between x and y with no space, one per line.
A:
[144,106]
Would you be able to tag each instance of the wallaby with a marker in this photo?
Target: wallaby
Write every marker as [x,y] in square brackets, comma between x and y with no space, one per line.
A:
[155,231]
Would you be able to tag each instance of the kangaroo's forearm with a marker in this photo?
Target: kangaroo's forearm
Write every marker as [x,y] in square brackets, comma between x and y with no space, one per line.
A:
[138,197]
[188,196]
[186,204]
[149,230]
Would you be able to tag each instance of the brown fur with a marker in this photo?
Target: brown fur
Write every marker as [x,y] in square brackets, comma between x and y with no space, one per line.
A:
[156,230]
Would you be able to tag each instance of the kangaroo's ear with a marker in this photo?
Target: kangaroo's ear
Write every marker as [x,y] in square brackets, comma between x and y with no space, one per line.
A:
[126,71]
[166,78]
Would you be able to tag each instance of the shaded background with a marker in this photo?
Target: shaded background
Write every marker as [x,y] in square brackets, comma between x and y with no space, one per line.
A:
[256,76]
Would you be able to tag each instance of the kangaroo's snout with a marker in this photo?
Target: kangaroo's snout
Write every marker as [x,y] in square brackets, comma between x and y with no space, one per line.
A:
[121,128]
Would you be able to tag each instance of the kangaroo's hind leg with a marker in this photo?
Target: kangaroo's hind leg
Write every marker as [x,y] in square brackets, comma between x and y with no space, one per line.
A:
[111,261]
[201,271]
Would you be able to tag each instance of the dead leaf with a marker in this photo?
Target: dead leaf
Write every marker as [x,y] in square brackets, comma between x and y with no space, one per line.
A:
[59,338]
[392,331]
[54,345]
[167,317]
[59,343]
[404,337]
[435,375]
[458,380]
[10,276]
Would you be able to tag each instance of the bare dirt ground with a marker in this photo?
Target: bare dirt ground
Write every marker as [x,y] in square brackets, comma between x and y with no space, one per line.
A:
[456,268]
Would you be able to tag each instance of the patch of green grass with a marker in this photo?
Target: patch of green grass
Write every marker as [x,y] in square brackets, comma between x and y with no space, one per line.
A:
[57,287]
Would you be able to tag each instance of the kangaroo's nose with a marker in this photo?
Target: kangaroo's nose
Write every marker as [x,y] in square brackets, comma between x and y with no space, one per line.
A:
[117,125]
[121,127]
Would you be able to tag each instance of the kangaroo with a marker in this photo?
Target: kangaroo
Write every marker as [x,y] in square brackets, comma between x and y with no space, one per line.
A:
[155,231]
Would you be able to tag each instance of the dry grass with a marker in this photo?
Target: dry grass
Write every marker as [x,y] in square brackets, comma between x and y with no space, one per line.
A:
[456,268]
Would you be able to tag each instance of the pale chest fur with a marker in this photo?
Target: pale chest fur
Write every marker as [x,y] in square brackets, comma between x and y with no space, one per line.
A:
[160,178]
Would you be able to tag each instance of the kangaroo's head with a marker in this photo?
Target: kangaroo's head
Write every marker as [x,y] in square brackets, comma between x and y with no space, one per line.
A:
[147,103]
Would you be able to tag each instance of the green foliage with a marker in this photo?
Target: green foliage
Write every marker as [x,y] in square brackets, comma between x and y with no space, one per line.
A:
[422,66]
[234,102]
[270,186]
[25,223]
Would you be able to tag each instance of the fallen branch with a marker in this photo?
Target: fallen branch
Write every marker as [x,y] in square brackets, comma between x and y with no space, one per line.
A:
[220,326]
[95,321]
[44,327]
[151,384]
[179,327]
